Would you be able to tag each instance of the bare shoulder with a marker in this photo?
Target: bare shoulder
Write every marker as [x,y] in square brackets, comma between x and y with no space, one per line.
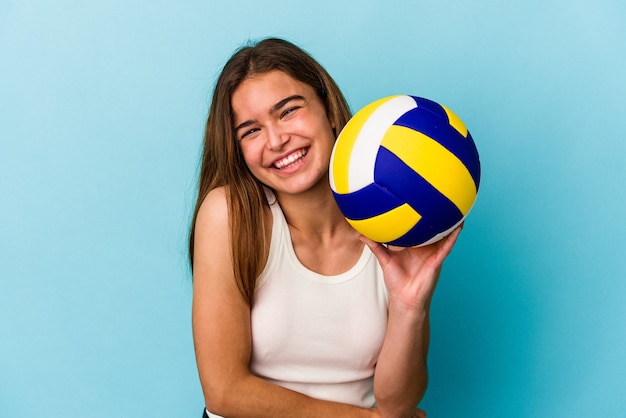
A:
[214,208]
[212,235]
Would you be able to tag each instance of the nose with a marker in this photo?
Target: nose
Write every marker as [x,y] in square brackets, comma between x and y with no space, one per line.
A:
[276,139]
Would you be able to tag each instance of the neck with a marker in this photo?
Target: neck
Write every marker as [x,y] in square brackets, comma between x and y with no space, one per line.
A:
[322,239]
[313,212]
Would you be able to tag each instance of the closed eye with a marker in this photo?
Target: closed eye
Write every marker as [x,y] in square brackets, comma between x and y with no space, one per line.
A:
[248,133]
[289,111]
[246,128]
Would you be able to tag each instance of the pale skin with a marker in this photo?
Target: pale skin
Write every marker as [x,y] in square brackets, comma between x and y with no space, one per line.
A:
[280,122]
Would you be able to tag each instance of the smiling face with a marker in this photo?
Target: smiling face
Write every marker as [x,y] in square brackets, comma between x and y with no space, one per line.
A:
[284,132]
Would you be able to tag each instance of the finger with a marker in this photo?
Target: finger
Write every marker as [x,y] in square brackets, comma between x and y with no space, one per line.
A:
[379,250]
[452,237]
[448,242]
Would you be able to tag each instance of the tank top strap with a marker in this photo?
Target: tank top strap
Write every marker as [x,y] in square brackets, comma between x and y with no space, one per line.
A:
[280,233]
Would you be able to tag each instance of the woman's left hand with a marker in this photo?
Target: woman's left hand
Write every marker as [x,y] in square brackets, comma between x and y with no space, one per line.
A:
[411,274]
[419,413]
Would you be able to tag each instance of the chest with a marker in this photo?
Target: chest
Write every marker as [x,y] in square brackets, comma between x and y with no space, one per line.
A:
[301,320]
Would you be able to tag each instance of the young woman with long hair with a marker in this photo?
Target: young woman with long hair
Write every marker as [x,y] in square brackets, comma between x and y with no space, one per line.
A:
[294,313]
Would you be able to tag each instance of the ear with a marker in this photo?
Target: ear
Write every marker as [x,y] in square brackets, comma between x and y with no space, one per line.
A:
[333,125]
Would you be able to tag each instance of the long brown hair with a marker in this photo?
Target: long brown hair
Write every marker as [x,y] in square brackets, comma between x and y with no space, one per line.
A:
[222,160]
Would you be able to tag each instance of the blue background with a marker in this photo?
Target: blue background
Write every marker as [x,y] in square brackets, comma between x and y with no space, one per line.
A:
[102,107]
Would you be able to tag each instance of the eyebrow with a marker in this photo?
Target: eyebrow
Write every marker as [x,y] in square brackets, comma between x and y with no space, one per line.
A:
[284,102]
[279,105]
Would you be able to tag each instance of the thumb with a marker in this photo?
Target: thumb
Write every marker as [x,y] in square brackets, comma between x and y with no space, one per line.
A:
[379,250]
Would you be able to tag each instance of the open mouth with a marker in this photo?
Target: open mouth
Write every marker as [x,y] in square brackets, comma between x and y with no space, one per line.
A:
[291,159]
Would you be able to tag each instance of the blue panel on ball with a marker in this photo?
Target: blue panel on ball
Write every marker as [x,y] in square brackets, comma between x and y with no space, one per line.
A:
[371,200]
[433,107]
[438,212]
[430,119]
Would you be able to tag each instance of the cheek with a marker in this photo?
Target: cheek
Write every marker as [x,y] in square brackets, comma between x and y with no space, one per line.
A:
[252,153]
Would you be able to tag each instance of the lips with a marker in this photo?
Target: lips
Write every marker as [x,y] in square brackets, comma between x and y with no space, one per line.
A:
[290,159]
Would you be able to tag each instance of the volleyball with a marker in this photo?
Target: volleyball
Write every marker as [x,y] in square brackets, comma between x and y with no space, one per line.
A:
[405,171]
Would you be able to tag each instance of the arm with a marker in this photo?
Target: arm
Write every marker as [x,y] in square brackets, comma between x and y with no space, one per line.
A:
[411,275]
[222,337]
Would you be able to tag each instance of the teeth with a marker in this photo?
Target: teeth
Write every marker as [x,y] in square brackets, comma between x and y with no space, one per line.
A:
[290,159]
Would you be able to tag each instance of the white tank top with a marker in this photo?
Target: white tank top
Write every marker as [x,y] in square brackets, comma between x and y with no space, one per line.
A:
[315,334]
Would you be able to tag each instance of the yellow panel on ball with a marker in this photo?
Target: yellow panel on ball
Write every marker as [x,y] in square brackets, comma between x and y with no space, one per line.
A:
[442,169]
[342,153]
[455,121]
[388,226]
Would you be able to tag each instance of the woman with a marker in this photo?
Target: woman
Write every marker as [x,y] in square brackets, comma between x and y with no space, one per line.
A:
[295,313]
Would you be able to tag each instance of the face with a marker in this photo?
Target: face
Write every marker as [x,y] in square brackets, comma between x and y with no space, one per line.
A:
[284,132]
